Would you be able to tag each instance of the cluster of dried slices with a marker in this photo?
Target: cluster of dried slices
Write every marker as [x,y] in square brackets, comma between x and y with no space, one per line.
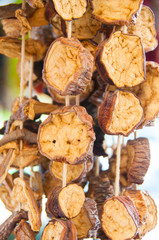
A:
[92,53]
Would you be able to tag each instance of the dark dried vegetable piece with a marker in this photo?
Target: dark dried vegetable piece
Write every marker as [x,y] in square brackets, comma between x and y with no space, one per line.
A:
[59,229]
[115,12]
[7,227]
[68,66]
[120,113]
[36,3]
[21,16]
[23,231]
[87,220]
[66,202]
[50,182]
[120,218]
[138,159]
[76,125]
[11,27]
[120,60]
[5,164]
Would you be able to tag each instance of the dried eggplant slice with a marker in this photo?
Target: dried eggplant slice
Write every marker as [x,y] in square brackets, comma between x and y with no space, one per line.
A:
[151,220]
[74,172]
[85,27]
[137,196]
[68,66]
[69,10]
[115,12]
[120,219]
[120,60]
[23,193]
[66,202]
[59,229]
[138,159]
[11,27]
[11,47]
[36,3]
[23,231]
[145,29]
[87,220]
[148,93]
[67,135]
[120,113]
[50,182]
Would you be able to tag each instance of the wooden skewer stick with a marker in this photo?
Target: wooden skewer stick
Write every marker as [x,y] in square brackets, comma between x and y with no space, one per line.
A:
[117,175]
[69,30]
[135,134]
[123,141]
[78,99]
[31,73]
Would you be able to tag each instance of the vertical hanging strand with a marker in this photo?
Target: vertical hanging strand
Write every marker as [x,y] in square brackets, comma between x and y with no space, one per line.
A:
[135,136]
[78,99]
[67,103]
[22,82]
[117,175]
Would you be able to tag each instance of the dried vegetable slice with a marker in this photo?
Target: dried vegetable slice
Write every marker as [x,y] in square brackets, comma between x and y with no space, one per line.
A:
[120,113]
[66,202]
[148,93]
[67,135]
[120,60]
[120,219]
[87,220]
[68,66]
[75,173]
[23,193]
[36,3]
[69,9]
[115,12]
[145,29]
[59,229]
[50,182]
[23,231]
[138,159]
[11,27]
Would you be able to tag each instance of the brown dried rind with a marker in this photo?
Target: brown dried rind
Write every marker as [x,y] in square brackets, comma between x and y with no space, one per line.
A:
[87,220]
[11,47]
[36,3]
[59,229]
[148,93]
[120,113]
[66,202]
[77,146]
[122,12]
[23,231]
[68,66]
[75,173]
[23,193]
[120,218]
[68,10]
[120,60]
[145,28]
[138,159]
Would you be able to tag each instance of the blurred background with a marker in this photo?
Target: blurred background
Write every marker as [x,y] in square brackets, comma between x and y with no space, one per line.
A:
[10,88]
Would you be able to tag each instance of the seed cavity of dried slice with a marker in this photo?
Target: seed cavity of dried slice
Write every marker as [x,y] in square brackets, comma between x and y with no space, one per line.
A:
[120,113]
[138,159]
[120,60]
[148,93]
[87,220]
[66,202]
[120,219]
[115,12]
[68,66]
[23,193]
[145,29]
[59,229]
[67,135]
[74,172]
[69,10]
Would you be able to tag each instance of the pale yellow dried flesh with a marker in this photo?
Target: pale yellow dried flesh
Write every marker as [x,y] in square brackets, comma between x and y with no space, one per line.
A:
[52,231]
[62,63]
[115,10]
[127,113]
[123,58]
[148,93]
[66,135]
[117,222]
[145,28]
[73,171]
[82,223]
[69,9]
[71,200]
